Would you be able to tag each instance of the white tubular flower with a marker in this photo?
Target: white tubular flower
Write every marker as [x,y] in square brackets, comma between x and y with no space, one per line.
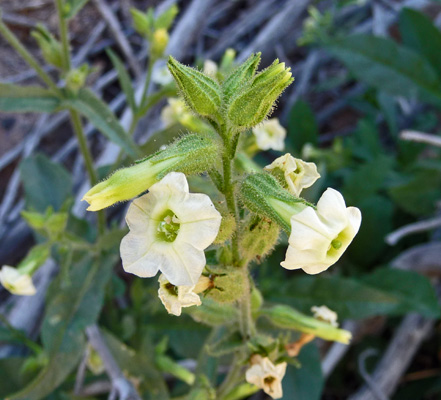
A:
[169,230]
[325,314]
[270,135]
[210,68]
[267,376]
[162,76]
[319,238]
[16,282]
[298,173]
[175,298]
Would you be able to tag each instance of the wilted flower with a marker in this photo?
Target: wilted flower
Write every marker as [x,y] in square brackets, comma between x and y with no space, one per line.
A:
[320,237]
[175,298]
[323,313]
[270,135]
[169,230]
[298,174]
[17,282]
[267,376]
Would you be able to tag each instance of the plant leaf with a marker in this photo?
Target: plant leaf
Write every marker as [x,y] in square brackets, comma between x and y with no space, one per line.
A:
[302,126]
[388,66]
[99,114]
[15,98]
[124,79]
[387,291]
[419,33]
[46,184]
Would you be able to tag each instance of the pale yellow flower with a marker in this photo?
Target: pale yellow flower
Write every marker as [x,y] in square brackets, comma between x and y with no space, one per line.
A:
[320,237]
[169,230]
[17,282]
[325,314]
[210,68]
[270,135]
[298,173]
[267,376]
[175,298]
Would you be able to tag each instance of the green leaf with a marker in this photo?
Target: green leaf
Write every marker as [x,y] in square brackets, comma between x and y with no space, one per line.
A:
[368,244]
[419,194]
[124,79]
[388,66]
[138,364]
[15,98]
[420,34]
[387,291]
[71,307]
[302,126]
[10,377]
[73,7]
[46,184]
[97,112]
[306,382]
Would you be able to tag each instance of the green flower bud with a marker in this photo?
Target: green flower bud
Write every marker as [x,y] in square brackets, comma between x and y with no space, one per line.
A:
[49,46]
[50,224]
[76,78]
[227,62]
[142,22]
[191,154]
[286,317]
[241,76]
[228,287]
[159,43]
[256,299]
[258,237]
[253,104]
[165,20]
[262,194]
[202,93]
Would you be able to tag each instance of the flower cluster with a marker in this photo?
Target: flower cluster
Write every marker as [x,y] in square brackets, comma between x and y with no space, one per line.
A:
[170,228]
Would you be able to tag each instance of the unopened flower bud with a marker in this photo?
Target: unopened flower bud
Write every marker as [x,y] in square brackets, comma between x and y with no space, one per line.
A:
[49,46]
[159,43]
[252,105]
[286,317]
[241,76]
[165,20]
[202,93]
[190,154]
[228,287]
[76,78]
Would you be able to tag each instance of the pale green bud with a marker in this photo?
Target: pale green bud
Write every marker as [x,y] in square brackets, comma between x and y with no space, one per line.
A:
[49,46]
[165,20]
[191,154]
[49,224]
[76,78]
[262,194]
[256,299]
[252,105]
[168,365]
[258,237]
[241,76]
[142,22]
[159,42]
[286,317]
[202,93]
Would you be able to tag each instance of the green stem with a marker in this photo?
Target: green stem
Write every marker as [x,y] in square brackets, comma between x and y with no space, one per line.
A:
[28,57]
[64,36]
[148,78]
[93,178]
[233,377]
[247,326]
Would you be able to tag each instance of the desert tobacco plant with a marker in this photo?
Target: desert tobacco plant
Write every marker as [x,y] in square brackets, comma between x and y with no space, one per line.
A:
[170,227]
[202,242]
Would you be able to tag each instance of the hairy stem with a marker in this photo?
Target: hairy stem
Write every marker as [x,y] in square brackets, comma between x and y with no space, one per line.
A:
[64,36]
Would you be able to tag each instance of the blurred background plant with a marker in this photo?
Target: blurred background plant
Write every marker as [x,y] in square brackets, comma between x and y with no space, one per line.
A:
[365,72]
